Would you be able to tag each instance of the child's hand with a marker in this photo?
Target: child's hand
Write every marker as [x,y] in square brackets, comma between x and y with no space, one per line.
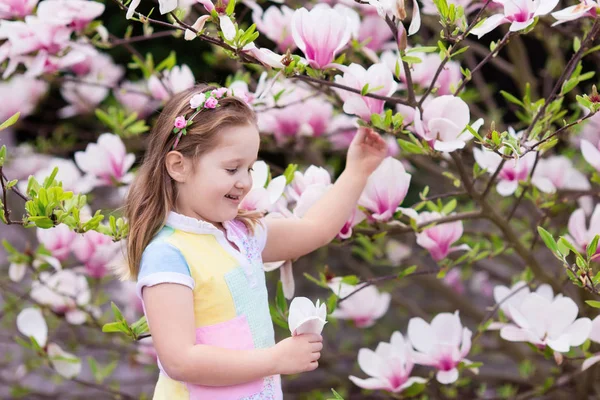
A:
[298,353]
[366,151]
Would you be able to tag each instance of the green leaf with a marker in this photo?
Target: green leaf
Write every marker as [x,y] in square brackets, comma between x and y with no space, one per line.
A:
[592,247]
[407,271]
[409,147]
[332,303]
[511,98]
[337,395]
[411,60]
[11,121]
[230,7]
[548,239]
[117,313]
[167,63]
[364,90]
[280,300]
[593,303]
[414,389]
[112,327]
[350,280]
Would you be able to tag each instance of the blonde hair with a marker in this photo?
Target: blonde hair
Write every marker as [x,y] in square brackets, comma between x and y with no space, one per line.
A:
[153,192]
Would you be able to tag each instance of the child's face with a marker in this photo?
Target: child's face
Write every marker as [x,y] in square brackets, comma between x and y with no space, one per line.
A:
[222,176]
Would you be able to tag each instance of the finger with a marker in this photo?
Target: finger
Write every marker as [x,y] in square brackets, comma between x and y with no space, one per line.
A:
[314,338]
[317,346]
[315,356]
[361,134]
[313,365]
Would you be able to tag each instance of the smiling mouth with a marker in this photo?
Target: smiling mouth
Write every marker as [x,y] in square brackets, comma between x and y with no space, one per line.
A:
[231,197]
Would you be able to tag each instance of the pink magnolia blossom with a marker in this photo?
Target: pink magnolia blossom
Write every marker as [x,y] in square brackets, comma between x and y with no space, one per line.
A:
[380,81]
[355,218]
[68,174]
[594,337]
[439,238]
[454,280]
[275,24]
[16,8]
[585,8]
[57,240]
[386,189]
[320,33]
[558,172]
[591,153]
[364,307]
[65,291]
[24,161]
[480,283]
[76,14]
[134,97]
[107,160]
[312,175]
[422,73]
[512,172]
[174,81]
[96,251]
[513,297]
[444,123]
[545,322]
[397,252]
[589,132]
[34,34]
[374,33]
[519,13]
[262,197]
[581,235]
[443,344]
[20,94]
[389,366]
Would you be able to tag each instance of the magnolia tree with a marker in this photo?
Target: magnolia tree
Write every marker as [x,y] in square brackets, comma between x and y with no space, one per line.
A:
[467,270]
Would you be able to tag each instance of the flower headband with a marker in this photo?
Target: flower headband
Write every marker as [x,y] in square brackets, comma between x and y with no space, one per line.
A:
[199,102]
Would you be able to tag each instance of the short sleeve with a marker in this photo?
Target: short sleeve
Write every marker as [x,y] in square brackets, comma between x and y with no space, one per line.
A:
[260,234]
[163,263]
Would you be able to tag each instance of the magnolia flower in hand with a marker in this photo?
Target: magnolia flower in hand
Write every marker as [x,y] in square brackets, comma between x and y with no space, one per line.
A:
[306,317]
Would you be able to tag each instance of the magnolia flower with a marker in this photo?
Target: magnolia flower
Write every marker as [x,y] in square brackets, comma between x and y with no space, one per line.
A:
[438,239]
[542,321]
[396,252]
[373,33]
[591,153]
[558,172]
[68,174]
[174,81]
[267,57]
[259,197]
[380,81]
[198,26]
[443,344]
[107,160]
[395,9]
[20,94]
[16,271]
[389,366]
[57,240]
[585,8]
[165,6]
[96,251]
[519,13]
[65,292]
[579,234]
[10,9]
[31,323]
[595,337]
[512,172]
[355,218]
[275,24]
[385,190]
[422,73]
[312,175]
[306,317]
[134,97]
[444,123]
[76,14]
[364,307]
[320,33]
[513,297]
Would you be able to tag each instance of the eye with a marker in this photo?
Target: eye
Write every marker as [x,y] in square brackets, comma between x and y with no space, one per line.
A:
[250,169]
[231,171]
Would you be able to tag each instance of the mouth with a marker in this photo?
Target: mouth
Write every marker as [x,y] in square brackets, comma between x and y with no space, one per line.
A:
[233,198]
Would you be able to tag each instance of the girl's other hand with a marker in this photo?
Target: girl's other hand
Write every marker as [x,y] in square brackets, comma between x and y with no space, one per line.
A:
[297,354]
[367,150]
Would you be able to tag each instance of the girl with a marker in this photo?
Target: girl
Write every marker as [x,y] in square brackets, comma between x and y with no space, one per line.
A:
[198,259]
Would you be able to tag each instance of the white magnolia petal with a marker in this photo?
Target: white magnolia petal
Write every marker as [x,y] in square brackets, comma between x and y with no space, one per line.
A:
[31,322]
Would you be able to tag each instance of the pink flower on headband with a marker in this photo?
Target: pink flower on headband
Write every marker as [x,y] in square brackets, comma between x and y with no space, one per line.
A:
[218,93]
[197,100]
[211,102]
[180,122]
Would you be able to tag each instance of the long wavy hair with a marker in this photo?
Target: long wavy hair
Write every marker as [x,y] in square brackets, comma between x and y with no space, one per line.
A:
[153,192]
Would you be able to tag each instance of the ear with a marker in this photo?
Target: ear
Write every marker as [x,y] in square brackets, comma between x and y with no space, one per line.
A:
[177,166]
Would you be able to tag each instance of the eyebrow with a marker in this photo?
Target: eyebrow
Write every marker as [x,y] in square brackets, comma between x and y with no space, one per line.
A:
[237,160]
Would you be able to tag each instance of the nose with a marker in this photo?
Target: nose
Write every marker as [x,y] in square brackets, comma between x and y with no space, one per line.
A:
[244,183]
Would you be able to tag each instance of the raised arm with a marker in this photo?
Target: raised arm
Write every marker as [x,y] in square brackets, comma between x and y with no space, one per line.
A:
[291,238]
[170,312]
